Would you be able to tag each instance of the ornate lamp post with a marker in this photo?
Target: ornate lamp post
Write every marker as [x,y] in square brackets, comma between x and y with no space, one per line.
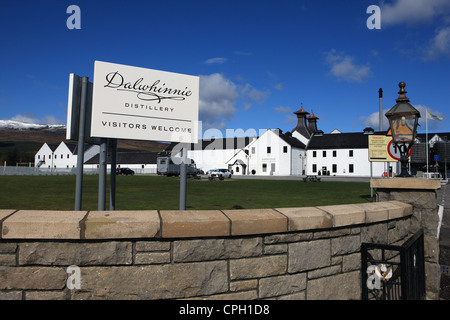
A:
[403,119]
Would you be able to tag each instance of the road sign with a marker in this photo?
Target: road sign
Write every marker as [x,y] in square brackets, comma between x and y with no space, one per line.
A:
[394,151]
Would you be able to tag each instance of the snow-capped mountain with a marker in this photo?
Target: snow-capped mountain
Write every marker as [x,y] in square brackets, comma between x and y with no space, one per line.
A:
[19,125]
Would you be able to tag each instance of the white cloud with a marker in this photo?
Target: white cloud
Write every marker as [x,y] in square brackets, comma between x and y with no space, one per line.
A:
[344,68]
[278,86]
[373,119]
[248,91]
[282,109]
[216,60]
[439,45]
[413,12]
[218,97]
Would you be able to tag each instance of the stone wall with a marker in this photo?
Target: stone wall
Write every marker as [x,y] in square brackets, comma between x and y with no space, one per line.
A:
[283,253]
[421,194]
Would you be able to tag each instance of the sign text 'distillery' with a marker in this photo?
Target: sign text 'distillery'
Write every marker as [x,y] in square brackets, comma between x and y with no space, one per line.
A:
[144,104]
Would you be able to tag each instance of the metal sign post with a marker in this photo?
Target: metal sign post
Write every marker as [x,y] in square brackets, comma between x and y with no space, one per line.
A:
[112,187]
[102,175]
[80,158]
[183,177]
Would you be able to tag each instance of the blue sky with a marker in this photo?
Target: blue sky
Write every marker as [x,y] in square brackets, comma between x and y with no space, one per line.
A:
[258,61]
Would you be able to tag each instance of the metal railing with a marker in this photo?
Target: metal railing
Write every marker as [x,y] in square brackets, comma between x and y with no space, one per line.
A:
[390,272]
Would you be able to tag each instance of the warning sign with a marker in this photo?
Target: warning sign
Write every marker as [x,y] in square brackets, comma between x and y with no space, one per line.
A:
[379,148]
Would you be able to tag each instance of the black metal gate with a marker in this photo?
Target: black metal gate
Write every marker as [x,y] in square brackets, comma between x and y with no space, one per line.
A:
[390,272]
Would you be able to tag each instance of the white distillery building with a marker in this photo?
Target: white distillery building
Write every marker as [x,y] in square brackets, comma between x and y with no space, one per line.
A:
[62,156]
[343,154]
[303,151]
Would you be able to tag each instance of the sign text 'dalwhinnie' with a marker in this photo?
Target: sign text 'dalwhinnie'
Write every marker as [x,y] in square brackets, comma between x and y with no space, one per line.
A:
[144,104]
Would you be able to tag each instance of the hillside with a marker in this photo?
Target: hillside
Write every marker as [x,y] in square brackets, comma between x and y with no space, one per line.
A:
[19,141]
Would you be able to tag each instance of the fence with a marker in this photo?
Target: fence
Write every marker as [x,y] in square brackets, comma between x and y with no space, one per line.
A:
[34,171]
[395,272]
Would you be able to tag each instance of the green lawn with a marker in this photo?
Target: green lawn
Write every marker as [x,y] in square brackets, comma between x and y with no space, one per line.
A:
[153,192]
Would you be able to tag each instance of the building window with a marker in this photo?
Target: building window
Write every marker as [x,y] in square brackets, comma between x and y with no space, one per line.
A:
[350,153]
[284,149]
[268,150]
[253,150]
[61,155]
[314,154]
[350,168]
[237,169]
[68,156]
[314,168]
[334,168]
[39,157]
[324,154]
[264,167]
[334,153]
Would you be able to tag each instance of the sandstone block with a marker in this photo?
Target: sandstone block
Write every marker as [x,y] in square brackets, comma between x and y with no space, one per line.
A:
[39,224]
[191,223]
[396,209]
[256,221]
[344,215]
[4,213]
[405,183]
[306,218]
[374,211]
[122,224]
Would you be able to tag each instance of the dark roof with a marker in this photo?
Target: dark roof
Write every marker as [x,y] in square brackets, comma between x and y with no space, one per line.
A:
[129,158]
[53,146]
[354,140]
[422,136]
[292,141]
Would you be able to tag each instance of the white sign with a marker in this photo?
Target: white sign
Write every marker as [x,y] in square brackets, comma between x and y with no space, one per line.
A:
[144,104]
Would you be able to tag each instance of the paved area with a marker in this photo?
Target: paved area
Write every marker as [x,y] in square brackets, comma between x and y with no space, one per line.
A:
[444,240]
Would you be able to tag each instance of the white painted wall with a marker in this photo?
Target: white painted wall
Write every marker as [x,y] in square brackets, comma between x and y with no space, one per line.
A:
[343,160]
[63,157]
[44,154]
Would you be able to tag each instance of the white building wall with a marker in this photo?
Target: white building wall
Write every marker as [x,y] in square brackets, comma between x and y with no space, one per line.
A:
[276,161]
[63,157]
[298,161]
[344,162]
[45,154]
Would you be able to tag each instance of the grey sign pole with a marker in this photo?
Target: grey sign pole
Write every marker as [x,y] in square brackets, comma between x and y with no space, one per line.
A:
[112,187]
[183,175]
[80,158]
[102,176]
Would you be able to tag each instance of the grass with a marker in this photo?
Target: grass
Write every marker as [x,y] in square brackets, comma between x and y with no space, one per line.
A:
[162,193]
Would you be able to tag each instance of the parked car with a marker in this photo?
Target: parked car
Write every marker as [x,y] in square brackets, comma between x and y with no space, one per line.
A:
[219,173]
[124,171]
